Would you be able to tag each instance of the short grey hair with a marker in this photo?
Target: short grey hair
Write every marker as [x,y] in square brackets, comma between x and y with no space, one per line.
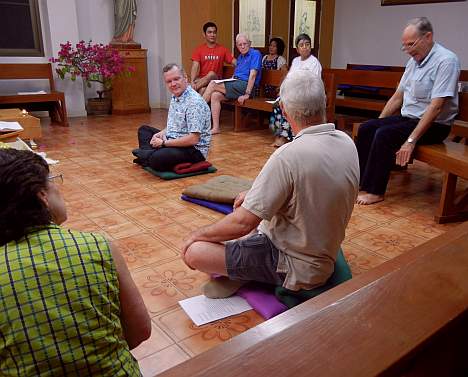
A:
[243,35]
[422,25]
[169,66]
[303,95]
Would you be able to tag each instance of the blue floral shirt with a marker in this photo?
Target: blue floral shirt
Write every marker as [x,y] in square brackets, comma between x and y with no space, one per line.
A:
[189,113]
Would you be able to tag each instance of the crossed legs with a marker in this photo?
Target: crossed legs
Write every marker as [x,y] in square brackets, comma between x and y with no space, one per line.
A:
[200,84]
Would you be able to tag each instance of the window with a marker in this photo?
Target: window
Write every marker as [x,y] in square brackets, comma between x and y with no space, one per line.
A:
[20,28]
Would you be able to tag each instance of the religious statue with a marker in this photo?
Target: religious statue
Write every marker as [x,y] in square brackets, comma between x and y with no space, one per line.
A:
[125,12]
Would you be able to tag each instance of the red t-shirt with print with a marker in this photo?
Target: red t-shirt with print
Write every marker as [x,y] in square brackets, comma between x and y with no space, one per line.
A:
[211,59]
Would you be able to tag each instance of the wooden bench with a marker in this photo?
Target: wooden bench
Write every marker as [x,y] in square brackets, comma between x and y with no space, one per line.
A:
[408,316]
[258,103]
[387,81]
[52,101]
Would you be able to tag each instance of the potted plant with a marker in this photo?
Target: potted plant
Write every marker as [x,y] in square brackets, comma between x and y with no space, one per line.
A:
[94,63]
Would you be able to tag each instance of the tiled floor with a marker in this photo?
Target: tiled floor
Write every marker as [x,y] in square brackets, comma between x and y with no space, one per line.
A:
[144,216]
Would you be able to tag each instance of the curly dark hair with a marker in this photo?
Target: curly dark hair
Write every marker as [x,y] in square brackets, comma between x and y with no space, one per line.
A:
[279,45]
[23,175]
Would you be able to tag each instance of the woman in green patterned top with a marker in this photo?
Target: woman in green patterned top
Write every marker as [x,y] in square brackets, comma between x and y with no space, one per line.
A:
[68,306]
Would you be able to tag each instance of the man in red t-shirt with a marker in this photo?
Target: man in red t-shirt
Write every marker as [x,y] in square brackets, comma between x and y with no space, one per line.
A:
[208,59]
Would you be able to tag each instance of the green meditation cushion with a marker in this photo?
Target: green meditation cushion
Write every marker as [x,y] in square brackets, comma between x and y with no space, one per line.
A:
[167,175]
[221,189]
[340,275]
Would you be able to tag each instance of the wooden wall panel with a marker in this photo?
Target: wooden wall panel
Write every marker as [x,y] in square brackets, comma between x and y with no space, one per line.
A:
[280,21]
[326,32]
[193,14]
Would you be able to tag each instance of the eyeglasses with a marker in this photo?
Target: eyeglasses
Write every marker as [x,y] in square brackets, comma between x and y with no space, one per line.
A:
[56,178]
[409,47]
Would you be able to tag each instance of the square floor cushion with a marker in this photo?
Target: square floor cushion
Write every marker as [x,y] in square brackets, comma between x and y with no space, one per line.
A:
[221,189]
[341,273]
[167,175]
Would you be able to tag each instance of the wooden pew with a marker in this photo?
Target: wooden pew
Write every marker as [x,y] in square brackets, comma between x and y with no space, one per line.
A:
[379,79]
[408,316]
[375,67]
[258,103]
[452,158]
[52,101]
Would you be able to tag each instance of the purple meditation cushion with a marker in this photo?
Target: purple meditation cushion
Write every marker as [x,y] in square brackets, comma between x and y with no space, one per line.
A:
[262,300]
[219,207]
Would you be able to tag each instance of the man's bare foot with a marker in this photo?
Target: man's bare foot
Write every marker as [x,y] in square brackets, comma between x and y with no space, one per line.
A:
[366,198]
[279,141]
[215,131]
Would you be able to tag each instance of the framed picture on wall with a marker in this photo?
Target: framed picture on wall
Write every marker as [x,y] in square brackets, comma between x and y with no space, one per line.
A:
[304,18]
[405,2]
[252,20]
[20,28]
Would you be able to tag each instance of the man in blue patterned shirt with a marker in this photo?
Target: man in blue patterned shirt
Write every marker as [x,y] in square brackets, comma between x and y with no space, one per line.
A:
[187,135]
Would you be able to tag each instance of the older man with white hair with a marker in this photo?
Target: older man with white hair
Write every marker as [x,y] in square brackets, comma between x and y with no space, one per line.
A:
[247,73]
[298,207]
[421,111]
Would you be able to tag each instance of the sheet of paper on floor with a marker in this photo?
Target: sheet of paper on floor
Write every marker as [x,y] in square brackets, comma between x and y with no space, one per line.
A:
[202,310]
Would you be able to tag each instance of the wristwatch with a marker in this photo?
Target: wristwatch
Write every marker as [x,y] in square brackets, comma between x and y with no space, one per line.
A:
[411,140]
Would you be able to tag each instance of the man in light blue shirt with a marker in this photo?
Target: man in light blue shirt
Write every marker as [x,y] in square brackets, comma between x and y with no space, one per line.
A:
[428,98]
[187,135]
[247,74]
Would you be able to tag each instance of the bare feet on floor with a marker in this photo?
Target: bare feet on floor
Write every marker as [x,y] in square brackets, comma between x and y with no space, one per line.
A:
[279,141]
[215,131]
[221,287]
[365,198]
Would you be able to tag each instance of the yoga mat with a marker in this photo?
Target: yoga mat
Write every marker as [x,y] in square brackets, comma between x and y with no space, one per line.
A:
[167,175]
[218,207]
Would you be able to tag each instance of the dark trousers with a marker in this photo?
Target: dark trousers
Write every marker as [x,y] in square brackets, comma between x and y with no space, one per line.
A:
[377,143]
[163,159]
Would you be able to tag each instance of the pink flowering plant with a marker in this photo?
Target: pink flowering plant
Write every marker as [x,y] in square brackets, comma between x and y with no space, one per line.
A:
[93,62]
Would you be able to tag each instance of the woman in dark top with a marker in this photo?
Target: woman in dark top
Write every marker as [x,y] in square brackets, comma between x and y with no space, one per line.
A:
[274,60]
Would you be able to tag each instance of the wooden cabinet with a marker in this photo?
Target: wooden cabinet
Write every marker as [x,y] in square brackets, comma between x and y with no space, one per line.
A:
[130,93]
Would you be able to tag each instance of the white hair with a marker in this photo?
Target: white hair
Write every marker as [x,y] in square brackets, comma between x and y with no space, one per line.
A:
[242,35]
[303,95]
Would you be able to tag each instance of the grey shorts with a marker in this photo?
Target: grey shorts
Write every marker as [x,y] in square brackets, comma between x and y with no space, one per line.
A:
[235,89]
[253,258]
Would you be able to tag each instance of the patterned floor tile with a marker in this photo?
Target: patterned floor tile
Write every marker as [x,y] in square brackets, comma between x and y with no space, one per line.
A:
[145,217]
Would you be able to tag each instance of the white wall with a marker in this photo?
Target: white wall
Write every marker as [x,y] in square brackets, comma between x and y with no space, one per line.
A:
[367,33]
[157,29]
[59,24]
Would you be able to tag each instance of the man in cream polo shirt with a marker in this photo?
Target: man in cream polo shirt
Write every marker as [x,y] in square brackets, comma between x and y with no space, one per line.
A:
[297,208]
